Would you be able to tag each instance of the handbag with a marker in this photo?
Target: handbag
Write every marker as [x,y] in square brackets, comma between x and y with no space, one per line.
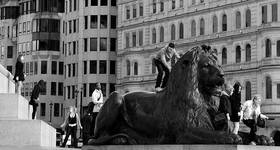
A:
[261,122]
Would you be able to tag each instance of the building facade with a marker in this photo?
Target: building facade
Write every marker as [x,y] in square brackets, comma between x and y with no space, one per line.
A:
[245,35]
[70,44]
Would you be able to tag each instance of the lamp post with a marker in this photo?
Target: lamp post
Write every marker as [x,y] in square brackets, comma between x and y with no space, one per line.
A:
[51,104]
[81,102]
[76,94]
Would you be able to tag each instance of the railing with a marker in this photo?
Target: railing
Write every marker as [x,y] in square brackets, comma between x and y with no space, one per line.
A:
[7,84]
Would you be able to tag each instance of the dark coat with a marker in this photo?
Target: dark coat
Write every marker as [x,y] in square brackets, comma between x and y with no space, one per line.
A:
[35,94]
[19,72]
[225,106]
[87,123]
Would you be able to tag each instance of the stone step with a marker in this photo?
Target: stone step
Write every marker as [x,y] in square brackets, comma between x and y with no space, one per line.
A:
[27,133]
[14,107]
[34,148]
[180,147]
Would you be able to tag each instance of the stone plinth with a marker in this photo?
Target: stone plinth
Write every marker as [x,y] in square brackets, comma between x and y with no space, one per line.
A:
[180,147]
[27,133]
[14,107]
[7,84]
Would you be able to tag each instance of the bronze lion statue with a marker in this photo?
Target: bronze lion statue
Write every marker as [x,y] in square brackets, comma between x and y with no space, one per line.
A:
[176,115]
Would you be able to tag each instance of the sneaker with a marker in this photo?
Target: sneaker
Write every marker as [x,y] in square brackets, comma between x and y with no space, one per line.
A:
[158,89]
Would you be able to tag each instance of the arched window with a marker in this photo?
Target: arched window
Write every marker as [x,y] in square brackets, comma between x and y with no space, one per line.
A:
[248,90]
[224,23]
[238,20]
[193,2]
[135,68]
[172,32]
[278,48]
[127,67]
[238,54]
[215,24]
[248,18]
[181,3]
[248,52]
[181,31]
[267,48]
[154,35]
[268,87]
[202,26]
[173,4]
[161,36]
[224,56]
[193,28]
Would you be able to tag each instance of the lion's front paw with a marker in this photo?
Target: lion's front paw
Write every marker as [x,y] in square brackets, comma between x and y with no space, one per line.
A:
[231,139]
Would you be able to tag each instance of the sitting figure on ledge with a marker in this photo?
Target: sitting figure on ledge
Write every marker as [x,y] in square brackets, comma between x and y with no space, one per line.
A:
[176,115]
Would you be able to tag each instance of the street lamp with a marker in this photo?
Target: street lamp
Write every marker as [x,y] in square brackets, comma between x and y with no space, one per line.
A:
[76,94]
[51,104]
[81,102]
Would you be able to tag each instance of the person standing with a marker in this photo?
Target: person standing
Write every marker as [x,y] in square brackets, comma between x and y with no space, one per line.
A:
[250,111]
[71,122]
[88,127]
[97,99]
[163,64]
[19,75]
[235,101]
[34,99]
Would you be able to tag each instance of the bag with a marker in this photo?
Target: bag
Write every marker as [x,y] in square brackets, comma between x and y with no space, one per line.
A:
[260,122]
[220,119]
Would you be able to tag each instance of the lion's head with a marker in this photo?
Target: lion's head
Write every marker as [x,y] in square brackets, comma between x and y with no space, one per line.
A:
[196,73]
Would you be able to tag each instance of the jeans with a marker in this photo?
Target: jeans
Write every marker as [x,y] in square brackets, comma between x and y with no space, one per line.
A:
[34,110]
[73,132]
[161,68]
[251,123]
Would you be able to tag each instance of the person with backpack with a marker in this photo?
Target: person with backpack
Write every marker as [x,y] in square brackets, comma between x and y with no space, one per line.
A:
[34,100]
[87,123]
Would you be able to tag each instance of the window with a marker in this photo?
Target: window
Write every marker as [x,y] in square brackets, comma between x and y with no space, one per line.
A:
[224,23]
[44,89]
[69,70]
[68,92]
[93,67]
[70,5]
[10,69]
[94,2]
[267,48]
[103,21]
[173,4]
[44,67]
[103,89]
[103,44]
[85,67]
[161,6]
[102,66]
[181,31]
[264,14]
[274,8]
[224,56]
[193,2]
[74,70]
[141,12]
[86,3]
[54,67]
[113,2]
[113,22]
[86,22]
[193,28]
[202,26]
[43,109]
[268,87]
[127,13]
[134,12]
[70,26]
[85,44]
[161,36]
[31,68]
[238,20]
[27,68]
[85,90]
[60,89]
[73,92]
[104,2]
[112,67]
[93,44]
[35,67]
[113,44]
[278,90]
[248,52]
[181,3]
[127,67]
[215,24]
[56,108]
[248,18]
[135,68]
[248,90]
[10,52]
[24,27]
[93,21]
[127,40]
[154,6]
[173,32]
[238,54]
[53,88]
[140,38]
[154,35]
[112,87]
[61,68]
[91,88]
[133,39]
[278,48]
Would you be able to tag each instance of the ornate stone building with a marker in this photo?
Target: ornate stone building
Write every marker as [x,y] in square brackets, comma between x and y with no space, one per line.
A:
[245,34]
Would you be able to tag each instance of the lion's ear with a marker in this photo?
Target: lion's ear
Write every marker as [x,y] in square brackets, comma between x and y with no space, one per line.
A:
[186,63]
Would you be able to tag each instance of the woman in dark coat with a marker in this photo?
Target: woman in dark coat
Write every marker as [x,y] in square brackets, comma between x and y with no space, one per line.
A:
[35,96]
[19,75]
[236,107]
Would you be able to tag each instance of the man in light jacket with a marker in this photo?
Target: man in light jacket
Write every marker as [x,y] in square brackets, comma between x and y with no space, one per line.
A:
[97,99]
